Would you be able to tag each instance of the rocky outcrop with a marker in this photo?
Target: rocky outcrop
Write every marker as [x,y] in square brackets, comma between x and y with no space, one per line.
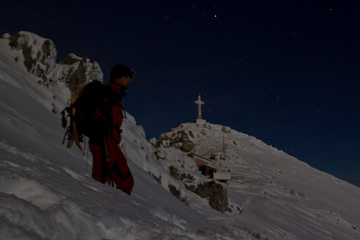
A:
[39,57]
[78,72]
[181,140]
[216,193]
[184,169]
[39,54]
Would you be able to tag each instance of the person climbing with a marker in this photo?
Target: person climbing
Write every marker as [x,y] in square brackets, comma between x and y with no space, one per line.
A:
[109,163]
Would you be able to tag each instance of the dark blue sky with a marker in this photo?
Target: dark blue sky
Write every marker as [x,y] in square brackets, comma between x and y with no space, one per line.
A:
[286,72]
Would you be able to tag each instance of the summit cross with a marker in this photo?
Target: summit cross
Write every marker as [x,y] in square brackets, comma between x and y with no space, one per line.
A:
[199,103]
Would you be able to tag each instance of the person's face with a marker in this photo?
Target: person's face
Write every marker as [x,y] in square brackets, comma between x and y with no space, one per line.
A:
[124,81]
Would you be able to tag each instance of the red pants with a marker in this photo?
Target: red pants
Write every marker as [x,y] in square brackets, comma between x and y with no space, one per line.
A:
[110,164]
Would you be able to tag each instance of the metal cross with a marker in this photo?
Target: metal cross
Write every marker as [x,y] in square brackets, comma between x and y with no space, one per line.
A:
[199,103]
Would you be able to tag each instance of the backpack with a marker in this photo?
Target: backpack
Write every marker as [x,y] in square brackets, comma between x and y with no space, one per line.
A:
[81,113]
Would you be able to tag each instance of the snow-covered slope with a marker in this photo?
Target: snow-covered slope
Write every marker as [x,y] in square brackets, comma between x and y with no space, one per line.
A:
[278,196]
[46,190]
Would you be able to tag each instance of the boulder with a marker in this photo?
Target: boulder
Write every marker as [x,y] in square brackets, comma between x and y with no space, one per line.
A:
[216,193]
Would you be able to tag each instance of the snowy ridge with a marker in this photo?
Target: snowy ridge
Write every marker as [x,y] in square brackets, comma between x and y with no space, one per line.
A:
[46,190]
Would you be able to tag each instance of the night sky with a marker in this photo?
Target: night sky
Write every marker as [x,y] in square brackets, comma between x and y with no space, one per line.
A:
[285,72]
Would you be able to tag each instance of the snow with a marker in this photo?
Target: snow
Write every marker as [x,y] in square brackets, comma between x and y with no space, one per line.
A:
[46,190]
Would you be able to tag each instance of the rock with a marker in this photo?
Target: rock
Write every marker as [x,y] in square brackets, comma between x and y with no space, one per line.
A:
[79,71]
[6,36]
[179,140]
[187,146]
[39,56]
[153,142]
[216,193]
[39,53]
[174,172]
[183,140]
[174,191]
[70,59]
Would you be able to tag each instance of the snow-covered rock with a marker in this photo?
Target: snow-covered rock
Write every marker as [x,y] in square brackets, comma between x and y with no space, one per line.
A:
[76,72]
[38,54]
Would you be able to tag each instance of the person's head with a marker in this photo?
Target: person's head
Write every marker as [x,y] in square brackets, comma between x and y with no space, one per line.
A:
[121,75]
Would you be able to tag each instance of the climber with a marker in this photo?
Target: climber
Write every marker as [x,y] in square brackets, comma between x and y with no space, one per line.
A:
[109,162]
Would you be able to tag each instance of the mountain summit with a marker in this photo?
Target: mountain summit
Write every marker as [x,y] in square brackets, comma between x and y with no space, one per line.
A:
[266,189]
[197,181]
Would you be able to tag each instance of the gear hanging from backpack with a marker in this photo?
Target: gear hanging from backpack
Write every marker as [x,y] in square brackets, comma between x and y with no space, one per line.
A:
[81,114]
[71,133]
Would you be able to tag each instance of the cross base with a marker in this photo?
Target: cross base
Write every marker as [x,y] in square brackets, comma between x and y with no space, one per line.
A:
[200,121]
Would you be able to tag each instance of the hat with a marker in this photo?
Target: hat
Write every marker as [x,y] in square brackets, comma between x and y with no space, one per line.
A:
[120,70]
